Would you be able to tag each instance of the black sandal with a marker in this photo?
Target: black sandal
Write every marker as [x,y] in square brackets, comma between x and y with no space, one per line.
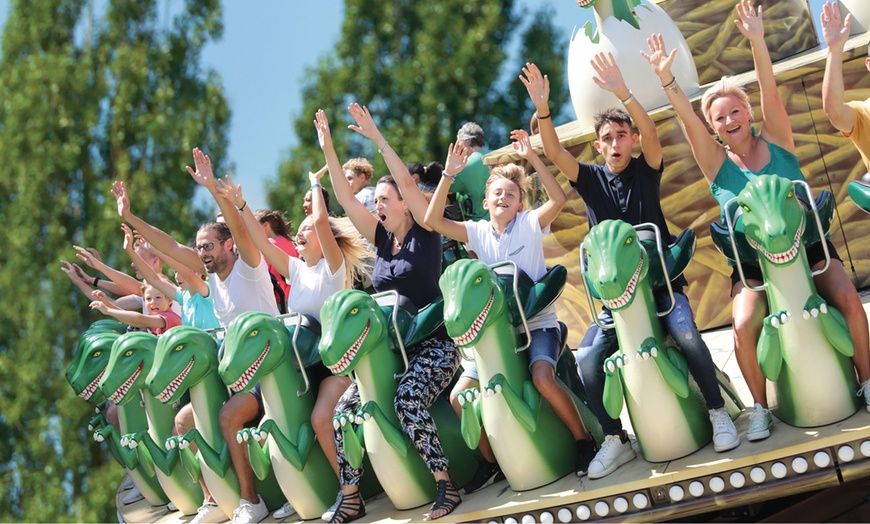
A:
[446,499]
[350,508]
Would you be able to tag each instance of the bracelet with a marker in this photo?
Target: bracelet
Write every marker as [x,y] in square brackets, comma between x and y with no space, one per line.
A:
[543,117]
[451,177]
[243,207]
[96,280]
[672,85]
[629,99]
[382,149]
[316,184]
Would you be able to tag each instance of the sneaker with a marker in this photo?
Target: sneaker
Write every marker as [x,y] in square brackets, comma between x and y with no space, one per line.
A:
[327,516]
[484,476]
[134,495]
[760,422]
[585,453]
[285,511]
[864,391]
[724,433]
[248,512]
[615,451]
[171,506]
[127,484]
[208,514]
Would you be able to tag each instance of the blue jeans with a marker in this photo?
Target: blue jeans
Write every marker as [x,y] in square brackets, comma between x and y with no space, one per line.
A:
[598,344]
[544,346]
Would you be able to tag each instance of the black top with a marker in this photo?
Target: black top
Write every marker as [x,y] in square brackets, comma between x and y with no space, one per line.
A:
[414,271]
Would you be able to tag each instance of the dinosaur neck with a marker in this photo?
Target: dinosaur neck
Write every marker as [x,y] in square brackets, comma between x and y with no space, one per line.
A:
[280,401]
[375,377]
[788,286]
[131,417]
[161,417]
[207,397]
[603,9]
[495,351]
[639,314]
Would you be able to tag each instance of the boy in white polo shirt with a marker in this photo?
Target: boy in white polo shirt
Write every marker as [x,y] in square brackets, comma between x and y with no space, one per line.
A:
[514,234]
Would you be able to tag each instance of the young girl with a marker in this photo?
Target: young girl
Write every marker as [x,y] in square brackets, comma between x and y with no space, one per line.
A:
[159,319]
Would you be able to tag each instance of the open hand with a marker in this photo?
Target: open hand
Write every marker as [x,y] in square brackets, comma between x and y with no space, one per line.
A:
[457,157]
[321,123]
[659,59]
[365,124]
[231,192]
[522,144]
[751,24]
[834,28]
[119,191]
[203,174]
[314,178]
[538,86]
[69,270]
[129,243]
[99,306]
[86,256]
[609,76]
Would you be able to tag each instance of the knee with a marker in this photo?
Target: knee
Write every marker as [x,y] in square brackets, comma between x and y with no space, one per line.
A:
[321,421]
[543,379]
[232,418]
[183,420]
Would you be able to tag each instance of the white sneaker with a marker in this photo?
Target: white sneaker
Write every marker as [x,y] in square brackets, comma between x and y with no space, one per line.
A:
[760,422]
[327,516]
[864,391]
[285,511]
[171,506]
[134,495]
[724,433]
[613,453]
[249,513]
[208,514]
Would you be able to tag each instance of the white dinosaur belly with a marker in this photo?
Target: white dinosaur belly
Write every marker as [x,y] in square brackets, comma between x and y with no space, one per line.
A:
[226,496]
[404,489]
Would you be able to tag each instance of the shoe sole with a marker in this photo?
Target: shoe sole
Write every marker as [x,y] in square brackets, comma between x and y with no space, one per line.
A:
[282,517]
[759,435]
[622,459]
[729,446]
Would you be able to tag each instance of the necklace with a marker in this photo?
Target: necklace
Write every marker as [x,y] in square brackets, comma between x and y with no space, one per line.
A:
[397,243]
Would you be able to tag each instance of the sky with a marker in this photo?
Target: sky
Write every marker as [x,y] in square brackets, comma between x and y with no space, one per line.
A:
[266,47]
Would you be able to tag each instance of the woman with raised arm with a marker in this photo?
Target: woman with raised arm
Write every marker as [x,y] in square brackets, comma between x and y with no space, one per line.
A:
[742,155]
[409,262]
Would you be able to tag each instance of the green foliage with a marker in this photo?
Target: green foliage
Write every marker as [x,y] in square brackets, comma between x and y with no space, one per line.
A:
[423,69]
[85,101]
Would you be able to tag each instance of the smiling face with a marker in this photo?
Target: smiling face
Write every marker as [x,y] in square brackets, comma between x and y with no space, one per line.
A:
[614,143]
[155,301]
[503,200]
[217,258]
[307,242]
[306,203]
[730,119]
[391,209]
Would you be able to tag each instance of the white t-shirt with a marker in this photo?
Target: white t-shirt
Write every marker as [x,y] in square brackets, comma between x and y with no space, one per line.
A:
[245,289]
[311,286]
[366,197]
[523,243]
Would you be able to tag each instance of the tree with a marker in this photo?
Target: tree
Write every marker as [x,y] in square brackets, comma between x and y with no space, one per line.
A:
[85,100]
[423,69]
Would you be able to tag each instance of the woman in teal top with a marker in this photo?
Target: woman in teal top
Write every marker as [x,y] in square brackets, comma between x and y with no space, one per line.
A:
[741,156]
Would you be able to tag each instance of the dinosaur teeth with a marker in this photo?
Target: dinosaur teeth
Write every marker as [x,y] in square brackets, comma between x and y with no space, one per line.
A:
[469,336]
[350,354]
[625,298]
[89,391]
[785,256]
[249,373]
[122,391]
[172,387]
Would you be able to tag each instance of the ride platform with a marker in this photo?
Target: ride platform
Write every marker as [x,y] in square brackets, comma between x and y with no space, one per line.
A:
[792,461]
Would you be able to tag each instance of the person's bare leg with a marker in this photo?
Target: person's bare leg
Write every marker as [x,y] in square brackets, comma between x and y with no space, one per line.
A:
[836,288]
[331,389]
[183,424]
[238,411]
[544,378]
[461,385]
[748,309]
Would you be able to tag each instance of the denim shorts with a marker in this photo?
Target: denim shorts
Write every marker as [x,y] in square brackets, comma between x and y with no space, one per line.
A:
[544,346]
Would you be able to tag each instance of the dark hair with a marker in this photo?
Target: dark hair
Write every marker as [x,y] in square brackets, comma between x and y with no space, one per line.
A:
[222,229]
[388,179]
[325,196]
[432,173]
[416,168]
[611,115]
[280,225]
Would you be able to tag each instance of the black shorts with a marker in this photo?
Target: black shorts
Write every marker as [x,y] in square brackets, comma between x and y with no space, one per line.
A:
[815,254]
[316,374]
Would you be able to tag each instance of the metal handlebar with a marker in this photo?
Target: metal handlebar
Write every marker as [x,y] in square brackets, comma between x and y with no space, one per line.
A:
[394,319]
[520,308]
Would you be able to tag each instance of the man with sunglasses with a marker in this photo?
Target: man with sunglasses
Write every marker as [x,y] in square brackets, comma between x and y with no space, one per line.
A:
[239,282]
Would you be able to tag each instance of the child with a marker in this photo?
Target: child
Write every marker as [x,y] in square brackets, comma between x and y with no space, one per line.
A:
[512,230]
[160,317]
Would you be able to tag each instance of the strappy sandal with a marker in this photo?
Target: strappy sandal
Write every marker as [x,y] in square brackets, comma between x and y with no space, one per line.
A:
[446,499]
[350,508]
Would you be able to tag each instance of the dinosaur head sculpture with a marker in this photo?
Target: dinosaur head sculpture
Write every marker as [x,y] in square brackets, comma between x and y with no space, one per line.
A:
[107,325]
[353,324]
[615,262]
[184,356]
[473,298]
[773,218]
[129,364]
[90,361]
[255,345]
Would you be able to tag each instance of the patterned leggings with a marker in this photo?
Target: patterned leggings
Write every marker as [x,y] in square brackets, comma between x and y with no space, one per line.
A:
[431,368]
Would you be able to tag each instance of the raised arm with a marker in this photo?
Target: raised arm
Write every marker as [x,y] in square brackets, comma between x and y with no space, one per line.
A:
[197,284]
[556,198]
[75,277]
[457,157]
[777,128]
[127,285]
[610,79]
[538,86]
[131,318]
[836,32]
[148,273]
[709,154]
[320,216]
[362,220]
[411,194]
[157,238]
[231,194]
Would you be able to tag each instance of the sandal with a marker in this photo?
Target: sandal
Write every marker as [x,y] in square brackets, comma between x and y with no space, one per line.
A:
[446,499]
[349,508]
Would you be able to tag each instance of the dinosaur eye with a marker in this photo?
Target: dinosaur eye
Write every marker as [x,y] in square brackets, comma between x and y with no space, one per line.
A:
[254,333]
[128,353]
[628,241]
[745,207]
[790,194]
[478,280]
[178,347]
[354,311]
[97,353]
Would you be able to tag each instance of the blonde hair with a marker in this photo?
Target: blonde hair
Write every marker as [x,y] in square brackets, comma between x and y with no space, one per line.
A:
[146,285]
[360,166]
[356,251]
[727,86]
[515,174]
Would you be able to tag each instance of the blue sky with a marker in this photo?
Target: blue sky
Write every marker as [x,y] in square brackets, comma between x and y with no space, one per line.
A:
[266,47]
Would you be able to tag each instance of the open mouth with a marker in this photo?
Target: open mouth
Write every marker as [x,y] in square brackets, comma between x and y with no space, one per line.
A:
[350,354]
[92,387]
[470,335]
[785,256]
[625,297]
[173,386]
[122,391]
[249,373]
